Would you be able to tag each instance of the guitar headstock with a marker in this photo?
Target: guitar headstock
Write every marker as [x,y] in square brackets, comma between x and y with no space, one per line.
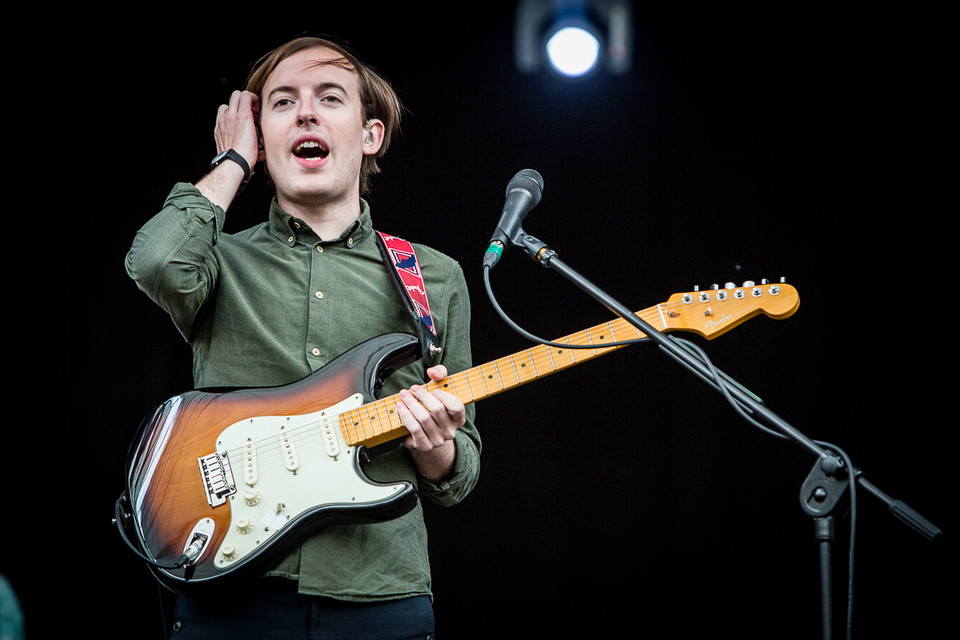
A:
[713,312]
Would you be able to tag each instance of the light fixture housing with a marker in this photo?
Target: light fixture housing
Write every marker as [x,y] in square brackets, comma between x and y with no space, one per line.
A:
[574,38]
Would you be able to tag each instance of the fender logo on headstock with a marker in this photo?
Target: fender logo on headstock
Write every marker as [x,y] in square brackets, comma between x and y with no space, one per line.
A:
[714,324]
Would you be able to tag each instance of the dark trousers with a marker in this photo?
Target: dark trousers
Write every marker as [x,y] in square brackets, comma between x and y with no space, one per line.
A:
[272,608]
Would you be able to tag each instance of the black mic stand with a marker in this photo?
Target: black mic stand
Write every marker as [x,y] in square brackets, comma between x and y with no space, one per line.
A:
[828,482]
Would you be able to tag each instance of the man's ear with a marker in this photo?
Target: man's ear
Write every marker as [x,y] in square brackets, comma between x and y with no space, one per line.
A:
[373,132]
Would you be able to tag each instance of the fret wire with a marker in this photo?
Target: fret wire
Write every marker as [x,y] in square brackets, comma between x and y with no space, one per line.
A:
[513,365]
[496,369]
[472,384]
[455,384]
[483,381]
[364,414]
[385,415]
[533,365]
[346,425]
[353,419]
[358,426]
[549,352]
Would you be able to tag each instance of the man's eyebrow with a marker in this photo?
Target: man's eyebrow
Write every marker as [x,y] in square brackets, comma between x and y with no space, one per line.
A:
[323,86]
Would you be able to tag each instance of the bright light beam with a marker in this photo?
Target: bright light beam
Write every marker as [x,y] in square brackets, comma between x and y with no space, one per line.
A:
[573,51]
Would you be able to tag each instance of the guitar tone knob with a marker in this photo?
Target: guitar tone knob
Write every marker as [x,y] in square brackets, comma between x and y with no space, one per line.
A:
[229,552]
[244,525]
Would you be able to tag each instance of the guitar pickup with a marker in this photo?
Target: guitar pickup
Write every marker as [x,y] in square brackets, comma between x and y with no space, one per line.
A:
[290,458]
[217,478]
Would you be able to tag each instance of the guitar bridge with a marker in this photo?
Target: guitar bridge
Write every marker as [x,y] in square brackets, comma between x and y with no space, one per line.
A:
[217,477]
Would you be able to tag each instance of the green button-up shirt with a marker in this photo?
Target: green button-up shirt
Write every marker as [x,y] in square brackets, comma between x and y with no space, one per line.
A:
[274,303]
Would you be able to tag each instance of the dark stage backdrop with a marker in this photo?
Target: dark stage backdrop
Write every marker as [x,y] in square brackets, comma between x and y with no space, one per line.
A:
[623,493]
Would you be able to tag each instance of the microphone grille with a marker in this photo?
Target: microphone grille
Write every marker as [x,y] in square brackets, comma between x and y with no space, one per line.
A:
[530,181]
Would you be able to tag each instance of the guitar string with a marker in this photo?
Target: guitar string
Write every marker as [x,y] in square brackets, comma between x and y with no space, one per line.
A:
[540,358]
[462,385]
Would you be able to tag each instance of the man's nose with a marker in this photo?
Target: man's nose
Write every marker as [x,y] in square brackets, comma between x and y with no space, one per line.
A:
[307,111]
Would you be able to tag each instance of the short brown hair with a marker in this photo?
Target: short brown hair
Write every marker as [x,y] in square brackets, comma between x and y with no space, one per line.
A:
[378,99]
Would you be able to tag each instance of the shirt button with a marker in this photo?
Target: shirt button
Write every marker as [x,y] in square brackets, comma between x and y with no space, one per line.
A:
[290,239]
[350,242]
[319,249]
[315,351]
[319,295]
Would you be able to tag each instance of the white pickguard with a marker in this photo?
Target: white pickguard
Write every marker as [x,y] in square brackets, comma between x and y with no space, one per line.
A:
[285,466]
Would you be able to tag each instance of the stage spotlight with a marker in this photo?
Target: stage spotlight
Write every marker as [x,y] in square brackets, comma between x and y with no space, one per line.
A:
[573,37]
[573,49]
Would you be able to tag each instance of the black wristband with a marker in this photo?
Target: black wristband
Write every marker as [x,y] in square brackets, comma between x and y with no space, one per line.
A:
[230,154]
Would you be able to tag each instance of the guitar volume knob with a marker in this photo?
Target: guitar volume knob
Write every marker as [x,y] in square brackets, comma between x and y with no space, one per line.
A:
[251,497]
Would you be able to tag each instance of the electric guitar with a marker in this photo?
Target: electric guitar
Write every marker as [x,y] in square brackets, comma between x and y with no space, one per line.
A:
[219,484]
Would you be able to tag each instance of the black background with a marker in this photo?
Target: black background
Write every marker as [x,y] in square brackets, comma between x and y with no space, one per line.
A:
[621,494]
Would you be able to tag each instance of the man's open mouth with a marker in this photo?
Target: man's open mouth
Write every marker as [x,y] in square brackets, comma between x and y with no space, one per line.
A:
[311,150]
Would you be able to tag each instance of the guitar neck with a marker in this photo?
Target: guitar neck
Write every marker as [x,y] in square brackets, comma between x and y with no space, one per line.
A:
[377,422]
[708,313]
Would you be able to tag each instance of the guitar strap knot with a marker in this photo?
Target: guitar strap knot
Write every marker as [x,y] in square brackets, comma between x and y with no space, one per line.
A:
[404,268]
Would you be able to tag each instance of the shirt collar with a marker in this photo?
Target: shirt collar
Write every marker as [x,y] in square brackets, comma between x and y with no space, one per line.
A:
[290,230]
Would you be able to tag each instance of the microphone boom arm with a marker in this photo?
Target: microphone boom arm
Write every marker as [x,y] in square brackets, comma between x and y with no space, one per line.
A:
[541,253]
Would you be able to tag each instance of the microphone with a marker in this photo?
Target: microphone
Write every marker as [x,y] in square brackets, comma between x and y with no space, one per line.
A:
[523,194]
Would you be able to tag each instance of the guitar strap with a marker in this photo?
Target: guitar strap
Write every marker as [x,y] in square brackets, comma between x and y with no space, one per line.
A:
[404,269]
